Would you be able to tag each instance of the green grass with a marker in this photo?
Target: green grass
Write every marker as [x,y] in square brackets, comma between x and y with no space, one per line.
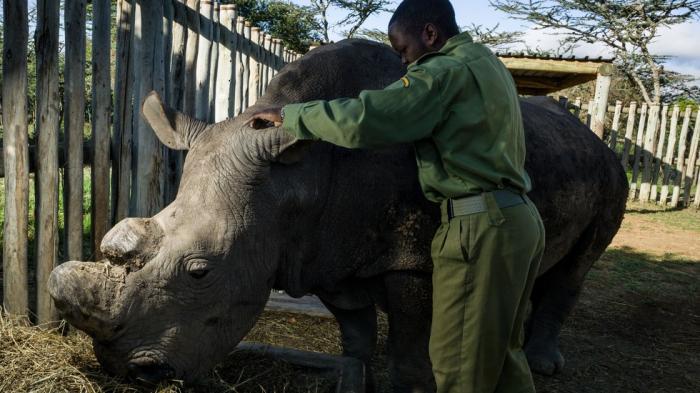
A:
[686,219]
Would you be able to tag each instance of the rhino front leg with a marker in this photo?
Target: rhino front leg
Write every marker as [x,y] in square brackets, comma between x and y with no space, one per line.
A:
[358,330]
[409,300]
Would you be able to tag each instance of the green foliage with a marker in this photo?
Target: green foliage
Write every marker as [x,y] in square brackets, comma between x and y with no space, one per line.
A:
[295,25]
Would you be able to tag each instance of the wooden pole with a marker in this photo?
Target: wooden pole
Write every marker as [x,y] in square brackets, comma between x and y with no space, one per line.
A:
[648,153]
[255,53]
[239,67]
[123,113]
[168,25]
[247,63]
[279,61]
[177,92]
[213,62]
[638,151]
[101,96]
[615,125]
[148,178]
[577,108]
[692,161]
[589,116]
[601,103]
[74,120]
[203,61]
[47,124]
[190,107]
[658,159]
[267,47]
[696,201]
[680,161]
[628,135]
[225,80]
[16,157]
[668,158]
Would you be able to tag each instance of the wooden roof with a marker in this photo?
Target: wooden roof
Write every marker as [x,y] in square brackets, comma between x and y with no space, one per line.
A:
[543,75]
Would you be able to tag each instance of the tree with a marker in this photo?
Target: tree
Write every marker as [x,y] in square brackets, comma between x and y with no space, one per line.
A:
[628,27]
[357,13]
[492,37]
[295,25]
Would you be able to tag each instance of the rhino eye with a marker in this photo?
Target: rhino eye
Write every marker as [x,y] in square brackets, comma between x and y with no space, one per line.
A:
[197,269]
[198,274]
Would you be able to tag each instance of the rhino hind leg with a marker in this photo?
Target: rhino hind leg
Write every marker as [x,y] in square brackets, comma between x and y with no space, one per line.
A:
[358,331]
[409,299]
[554,296]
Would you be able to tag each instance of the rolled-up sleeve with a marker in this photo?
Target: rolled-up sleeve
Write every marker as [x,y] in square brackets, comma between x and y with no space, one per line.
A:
[406,111]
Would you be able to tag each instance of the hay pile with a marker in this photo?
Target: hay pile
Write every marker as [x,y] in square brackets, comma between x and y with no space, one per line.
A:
[40,359]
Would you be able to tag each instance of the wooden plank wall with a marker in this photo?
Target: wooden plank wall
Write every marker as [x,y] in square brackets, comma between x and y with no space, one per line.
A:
[201,56]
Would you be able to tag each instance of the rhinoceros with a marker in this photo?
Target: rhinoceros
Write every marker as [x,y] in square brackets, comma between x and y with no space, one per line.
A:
[258,210]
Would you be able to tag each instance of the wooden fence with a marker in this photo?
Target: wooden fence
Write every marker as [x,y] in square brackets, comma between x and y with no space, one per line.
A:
[201,56]
[658,145]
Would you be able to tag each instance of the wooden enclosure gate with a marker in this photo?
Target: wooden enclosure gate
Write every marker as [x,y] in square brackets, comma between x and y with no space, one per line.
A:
[659,145]
[200,56]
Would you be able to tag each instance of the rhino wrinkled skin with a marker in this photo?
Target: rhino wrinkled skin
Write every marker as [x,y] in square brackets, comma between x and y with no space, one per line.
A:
[257,210]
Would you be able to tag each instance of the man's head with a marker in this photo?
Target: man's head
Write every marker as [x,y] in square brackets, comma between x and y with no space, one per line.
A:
[421,26]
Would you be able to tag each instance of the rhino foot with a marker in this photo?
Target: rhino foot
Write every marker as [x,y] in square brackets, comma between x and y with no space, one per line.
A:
[544,359]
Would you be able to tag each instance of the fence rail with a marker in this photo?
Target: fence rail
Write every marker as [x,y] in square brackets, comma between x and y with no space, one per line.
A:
[201,56]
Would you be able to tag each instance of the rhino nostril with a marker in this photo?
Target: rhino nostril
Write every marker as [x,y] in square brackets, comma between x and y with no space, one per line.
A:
[149,371]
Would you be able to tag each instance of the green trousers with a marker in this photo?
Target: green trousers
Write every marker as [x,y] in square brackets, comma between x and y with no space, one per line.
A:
[485,265]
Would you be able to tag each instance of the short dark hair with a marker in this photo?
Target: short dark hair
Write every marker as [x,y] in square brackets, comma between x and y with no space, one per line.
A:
[413,15]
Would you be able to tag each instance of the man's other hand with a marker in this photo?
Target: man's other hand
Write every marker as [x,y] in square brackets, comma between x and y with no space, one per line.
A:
[270,117]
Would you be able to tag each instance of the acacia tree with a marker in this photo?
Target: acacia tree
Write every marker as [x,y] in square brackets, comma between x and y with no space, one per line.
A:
[628,27]
[357,12]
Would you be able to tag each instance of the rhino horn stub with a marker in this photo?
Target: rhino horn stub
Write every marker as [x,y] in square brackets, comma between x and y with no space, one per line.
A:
[132,242]
[87,295]
[175,129]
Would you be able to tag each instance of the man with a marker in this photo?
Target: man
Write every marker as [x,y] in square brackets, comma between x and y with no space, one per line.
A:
[458,105]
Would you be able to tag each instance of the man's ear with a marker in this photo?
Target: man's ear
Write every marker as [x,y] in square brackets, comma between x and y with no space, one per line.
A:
[176,130]
[430,36]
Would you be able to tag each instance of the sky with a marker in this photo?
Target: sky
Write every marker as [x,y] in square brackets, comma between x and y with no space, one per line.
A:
[681,42]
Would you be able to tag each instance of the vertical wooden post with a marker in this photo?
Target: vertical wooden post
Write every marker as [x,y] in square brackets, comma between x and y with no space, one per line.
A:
[696,201]
[203,59]
[101,96]
[122,133]
[692,161]
[648,152]
[225,80]
[239,67]
[638,151]
[47,124]
[254,81]
[615,125]
[279,61]
[601,99]
[631,114]
[190,107]
[16,157]
[168,25]
[148,178]
[658,159]
[591,113]
[668,158]
[213,62]
[267,51]
[577,108]
[177,92]
[564,102]
[74,121]
[680,161]
[247,64]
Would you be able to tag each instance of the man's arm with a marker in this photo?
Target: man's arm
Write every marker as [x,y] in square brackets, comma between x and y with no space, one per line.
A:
[406,111]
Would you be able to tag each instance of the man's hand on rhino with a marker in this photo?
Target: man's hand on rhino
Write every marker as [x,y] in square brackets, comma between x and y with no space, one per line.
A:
[265,118]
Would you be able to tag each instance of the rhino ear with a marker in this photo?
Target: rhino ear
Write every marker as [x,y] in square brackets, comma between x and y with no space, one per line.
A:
[175,129]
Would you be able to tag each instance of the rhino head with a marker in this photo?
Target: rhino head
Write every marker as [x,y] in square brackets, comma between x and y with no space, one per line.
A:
[180,289]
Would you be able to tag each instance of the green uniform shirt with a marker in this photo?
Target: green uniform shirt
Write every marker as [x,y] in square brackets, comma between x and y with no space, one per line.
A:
[458,106]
